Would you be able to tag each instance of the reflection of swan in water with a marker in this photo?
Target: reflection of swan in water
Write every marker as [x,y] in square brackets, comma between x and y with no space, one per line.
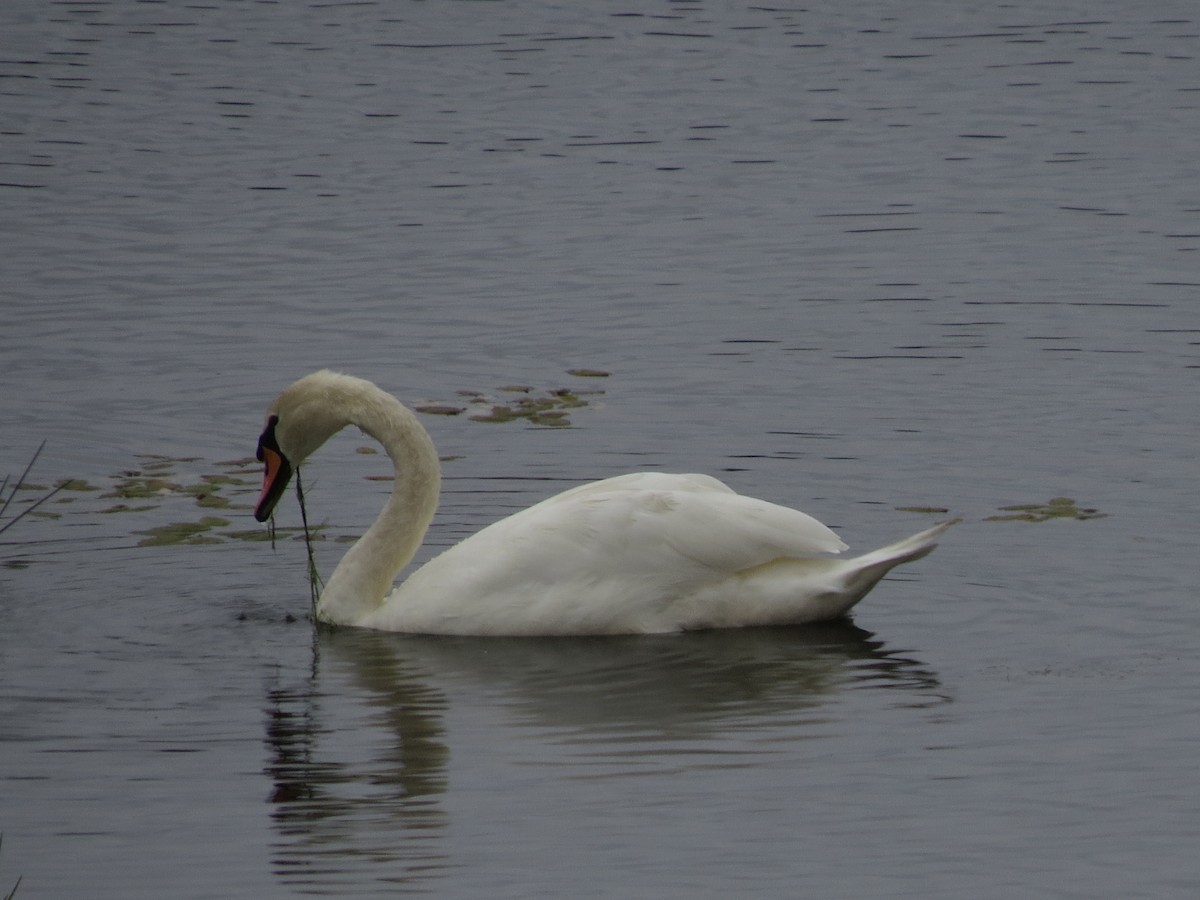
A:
[361,755]
[685,685]
[335,808]
[642,553]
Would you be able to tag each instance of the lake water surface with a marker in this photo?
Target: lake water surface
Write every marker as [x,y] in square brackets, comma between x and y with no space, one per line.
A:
[888,263]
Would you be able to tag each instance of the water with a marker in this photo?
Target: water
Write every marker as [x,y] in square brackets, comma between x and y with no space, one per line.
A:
[862,261]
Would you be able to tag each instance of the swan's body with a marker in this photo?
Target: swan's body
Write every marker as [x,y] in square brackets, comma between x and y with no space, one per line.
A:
[639,553]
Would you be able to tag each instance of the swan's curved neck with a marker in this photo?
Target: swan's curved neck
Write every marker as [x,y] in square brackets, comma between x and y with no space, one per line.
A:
[364,577]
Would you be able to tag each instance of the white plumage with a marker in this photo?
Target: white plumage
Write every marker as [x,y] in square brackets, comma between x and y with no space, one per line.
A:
[639,553]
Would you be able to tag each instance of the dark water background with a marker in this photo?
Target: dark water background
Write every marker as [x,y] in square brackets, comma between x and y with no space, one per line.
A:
[865,259]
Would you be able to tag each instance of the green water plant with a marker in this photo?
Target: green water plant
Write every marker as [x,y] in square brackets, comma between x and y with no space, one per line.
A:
[1056,508]
[550,408]
[315,584]
[155,482]
[588,373]
[176,533]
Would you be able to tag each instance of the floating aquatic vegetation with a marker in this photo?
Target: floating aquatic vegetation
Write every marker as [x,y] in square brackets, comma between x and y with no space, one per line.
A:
[136,486]
[588,373]
[438,409]
[79,485]
[126,508]
[1056,508]
[550,408]
[208,490]
[183,533]
[928,510]
[158,483]
[264,535]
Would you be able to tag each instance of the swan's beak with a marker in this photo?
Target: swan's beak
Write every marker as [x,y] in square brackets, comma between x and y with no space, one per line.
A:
[276,474]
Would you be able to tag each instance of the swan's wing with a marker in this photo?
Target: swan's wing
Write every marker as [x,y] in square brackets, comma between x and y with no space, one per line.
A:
[702,518]
[727,532]
[662,519]
[663,539]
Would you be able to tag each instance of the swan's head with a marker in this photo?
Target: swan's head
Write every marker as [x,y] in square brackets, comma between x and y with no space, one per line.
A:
[302,418]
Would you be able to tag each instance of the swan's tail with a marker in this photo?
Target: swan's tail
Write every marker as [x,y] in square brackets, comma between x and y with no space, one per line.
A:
[864,572]
[798,591]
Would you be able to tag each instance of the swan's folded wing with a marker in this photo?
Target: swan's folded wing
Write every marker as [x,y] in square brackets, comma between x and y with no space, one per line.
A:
[726,532]
[673,530]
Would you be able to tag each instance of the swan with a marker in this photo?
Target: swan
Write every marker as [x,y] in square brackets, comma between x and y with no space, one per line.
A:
[642,553]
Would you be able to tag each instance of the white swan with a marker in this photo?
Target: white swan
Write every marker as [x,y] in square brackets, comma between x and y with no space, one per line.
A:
[638,553]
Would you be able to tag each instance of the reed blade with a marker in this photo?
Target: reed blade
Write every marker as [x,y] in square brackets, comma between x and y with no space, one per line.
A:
[13,493]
